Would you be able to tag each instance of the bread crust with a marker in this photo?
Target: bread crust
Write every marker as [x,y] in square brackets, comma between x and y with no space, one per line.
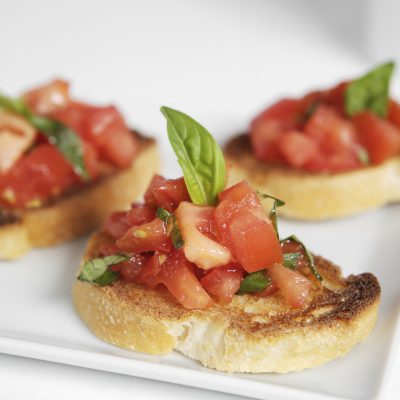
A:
[249,335]
[316,196]
[81,211]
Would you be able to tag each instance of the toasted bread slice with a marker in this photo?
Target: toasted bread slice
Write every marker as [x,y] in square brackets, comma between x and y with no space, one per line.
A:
[252,334]
[315,196]
[79,212]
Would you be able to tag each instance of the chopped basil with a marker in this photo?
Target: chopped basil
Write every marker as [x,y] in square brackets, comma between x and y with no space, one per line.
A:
[290,260]
[199,156]
[363,156]
[170,220]
[272,214]
[310,258]
[96,271]
[370,92]
[65,139]
[254,282]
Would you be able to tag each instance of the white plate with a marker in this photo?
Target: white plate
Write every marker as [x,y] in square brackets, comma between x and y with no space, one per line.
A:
[38,320]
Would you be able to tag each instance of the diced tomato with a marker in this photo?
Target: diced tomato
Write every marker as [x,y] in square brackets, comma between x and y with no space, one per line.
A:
[49,98]
[116,224]
[295,287]
[380,137]
[140,214]
[200,249]
[253,241]
[42,173]
[130,270]
[166,193]
[266,127]
[394,113]
[335,97]
[177,276]
[297,148]
[223,282]
[149,275]
[290,246]
[147,237]
[105,128]
[108,249]
[268,291]
[332,132]
[91,159]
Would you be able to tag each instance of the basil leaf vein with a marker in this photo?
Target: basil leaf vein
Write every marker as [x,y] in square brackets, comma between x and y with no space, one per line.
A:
[254,282]
[370,92]
[199,156]
[62,137]
[96,270]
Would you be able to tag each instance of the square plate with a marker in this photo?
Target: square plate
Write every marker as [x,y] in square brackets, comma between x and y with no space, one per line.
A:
[38,320]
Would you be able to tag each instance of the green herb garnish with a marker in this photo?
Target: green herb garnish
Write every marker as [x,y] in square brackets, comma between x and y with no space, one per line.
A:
[272,214]
[65,139]
[370,92]
[254,282]
[96,271]
[172,225]
[309,256]
[363,156]
[290,260]
[199,156]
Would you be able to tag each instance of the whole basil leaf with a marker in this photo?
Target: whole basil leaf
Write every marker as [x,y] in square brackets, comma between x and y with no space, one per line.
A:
[370,92]
[254,282]
[63,138]
[310,258]
[96,270]
[199,156]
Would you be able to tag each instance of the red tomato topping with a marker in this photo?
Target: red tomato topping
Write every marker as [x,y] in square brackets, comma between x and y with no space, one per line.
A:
[42,173]
[223,282]
[394,113]
[130,270]
[116,224]
[166,193]
[147,237]
[177,276]
[140,214]
[150,274]
[380,137]
[294,286]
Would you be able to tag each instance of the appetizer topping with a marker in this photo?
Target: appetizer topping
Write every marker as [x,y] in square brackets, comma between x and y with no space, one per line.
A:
[204,253]
[344,128]
[89,142]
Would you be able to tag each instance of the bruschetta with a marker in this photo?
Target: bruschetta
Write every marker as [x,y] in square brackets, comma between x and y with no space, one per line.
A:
[200,268]
[330,154]
[64,165]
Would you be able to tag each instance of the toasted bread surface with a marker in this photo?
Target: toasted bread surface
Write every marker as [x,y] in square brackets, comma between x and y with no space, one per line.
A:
[252,334]
[81,211]
[315,196]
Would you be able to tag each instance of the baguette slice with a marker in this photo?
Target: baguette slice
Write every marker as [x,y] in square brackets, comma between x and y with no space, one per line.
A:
[315,196]
[249,335]
[79,212]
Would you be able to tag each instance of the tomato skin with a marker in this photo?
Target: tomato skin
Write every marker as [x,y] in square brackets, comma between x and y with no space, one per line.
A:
[223,282]
[130,270]
[177,276]
[151,236]
[150,274]
[253,241]
[297,148]
[49,98]
[140,214]
[380,137]
[91,159]
[166,193]
[394,113]
[266,128]
[295,287]
[116,224]
[42,173]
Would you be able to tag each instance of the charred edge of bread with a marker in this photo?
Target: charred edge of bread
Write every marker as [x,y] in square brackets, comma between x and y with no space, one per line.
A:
[315,196]
[80,210]
[252,334]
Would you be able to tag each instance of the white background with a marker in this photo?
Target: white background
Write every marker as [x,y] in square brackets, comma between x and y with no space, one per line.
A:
[219,61]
